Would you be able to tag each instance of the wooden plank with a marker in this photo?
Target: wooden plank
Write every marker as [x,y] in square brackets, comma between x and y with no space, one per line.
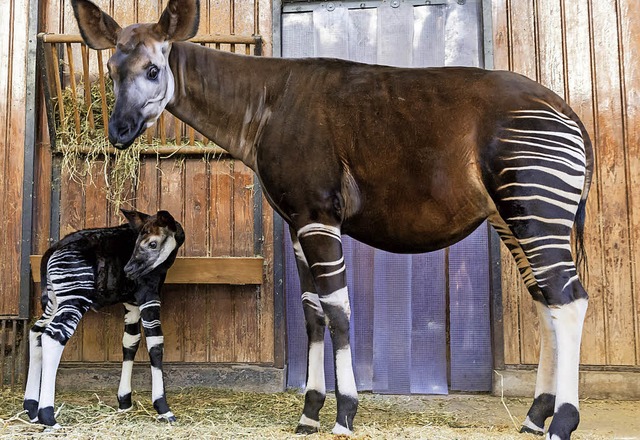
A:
[550,38]
[580,97]
[266,299]
[613,198]
[200,270]
[172,313]
[629,23]
[147,191]
[71,219]
[245,298]
[222,343]
[95,214]
[196,336]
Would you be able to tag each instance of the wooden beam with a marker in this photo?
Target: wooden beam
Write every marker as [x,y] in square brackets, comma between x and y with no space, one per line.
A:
[200,270]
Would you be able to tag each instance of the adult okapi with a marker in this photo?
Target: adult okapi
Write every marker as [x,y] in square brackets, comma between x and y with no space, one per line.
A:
[407,160]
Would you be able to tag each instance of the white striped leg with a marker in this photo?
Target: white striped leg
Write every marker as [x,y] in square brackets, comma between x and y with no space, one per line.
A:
[150,314]
[544,399]
[322,247]
[568,320]
[34,376]
[315,389]
[130,344]
[51,355]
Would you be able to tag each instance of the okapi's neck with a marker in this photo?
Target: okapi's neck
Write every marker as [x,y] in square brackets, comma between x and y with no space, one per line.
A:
[221,95]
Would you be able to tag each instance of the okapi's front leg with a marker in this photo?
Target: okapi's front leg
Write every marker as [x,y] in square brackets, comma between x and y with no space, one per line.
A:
[322,248]
[150,314]
[315,390]
[130,344]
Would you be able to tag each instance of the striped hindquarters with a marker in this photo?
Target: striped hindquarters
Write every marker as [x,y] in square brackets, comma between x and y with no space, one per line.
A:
[70,289]
[537,181]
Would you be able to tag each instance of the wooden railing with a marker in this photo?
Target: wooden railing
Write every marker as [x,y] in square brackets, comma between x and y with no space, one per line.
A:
[200,270]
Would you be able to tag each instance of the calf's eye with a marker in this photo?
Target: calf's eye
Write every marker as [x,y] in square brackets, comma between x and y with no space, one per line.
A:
[153,245]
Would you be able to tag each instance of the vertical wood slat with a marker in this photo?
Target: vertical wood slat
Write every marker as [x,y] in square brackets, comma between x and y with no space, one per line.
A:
[74,95]
[94,322]
[609,144]
[629,22]
[72,212]
[103,92]
[245,297]
[56,76]
[87,85]
[579,96]
[196,227]
[172,310]
[222,343]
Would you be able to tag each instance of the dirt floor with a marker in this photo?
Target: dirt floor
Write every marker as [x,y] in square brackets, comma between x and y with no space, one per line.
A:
[215,414]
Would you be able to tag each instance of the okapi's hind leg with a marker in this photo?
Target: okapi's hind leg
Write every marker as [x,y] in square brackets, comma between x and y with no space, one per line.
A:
[130,344]
[544,395]
[34,376]
[315,389]
[322,247]
[561,302]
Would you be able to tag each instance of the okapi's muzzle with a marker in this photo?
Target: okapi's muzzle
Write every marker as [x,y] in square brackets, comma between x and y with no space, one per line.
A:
[124,131]
[136,268]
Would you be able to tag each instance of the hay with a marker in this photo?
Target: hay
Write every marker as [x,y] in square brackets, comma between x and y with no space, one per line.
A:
[217,414]
[87,153]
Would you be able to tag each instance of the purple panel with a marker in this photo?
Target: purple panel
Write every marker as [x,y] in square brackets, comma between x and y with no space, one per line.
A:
[470,332]
[428,329]
[392,323]
[359,259]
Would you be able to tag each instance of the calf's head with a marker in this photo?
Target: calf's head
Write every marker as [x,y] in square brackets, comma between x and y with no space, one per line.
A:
[159,237]
[142,79]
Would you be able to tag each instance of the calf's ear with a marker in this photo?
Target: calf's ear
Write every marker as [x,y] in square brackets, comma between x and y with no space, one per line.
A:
[165,219]
[98,29]
[135,218]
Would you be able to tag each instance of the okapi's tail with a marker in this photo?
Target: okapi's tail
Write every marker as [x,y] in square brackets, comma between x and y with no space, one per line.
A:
[581,213]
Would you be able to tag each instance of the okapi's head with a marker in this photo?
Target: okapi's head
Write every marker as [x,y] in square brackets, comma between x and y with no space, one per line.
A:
[142,79]
[159,237]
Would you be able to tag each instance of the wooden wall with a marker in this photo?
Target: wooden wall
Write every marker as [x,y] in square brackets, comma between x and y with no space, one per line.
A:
[586,51]
[13,51]
[212,197]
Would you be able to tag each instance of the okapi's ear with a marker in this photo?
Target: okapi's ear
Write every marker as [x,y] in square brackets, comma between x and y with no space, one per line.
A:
[136,219]
[98,29]
[180,20]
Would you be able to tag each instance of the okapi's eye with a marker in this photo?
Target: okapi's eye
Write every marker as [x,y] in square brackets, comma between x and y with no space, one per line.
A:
[152,73]
[153,244]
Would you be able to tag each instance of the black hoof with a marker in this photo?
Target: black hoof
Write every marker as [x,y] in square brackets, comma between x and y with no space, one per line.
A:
[564,422]
[46,417]
[527,430]
[31,406]
[124,402]
[306,429]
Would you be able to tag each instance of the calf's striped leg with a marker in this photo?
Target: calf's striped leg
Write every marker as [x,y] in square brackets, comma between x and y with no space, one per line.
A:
[130,344]
[150,314]
[315,389]
[34,376]
[322,248]
[53,339]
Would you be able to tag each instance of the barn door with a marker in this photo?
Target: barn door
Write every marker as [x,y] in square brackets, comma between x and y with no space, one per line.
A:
[420,323]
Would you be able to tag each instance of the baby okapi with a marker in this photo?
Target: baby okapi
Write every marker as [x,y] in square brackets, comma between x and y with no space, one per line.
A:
[93,268]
